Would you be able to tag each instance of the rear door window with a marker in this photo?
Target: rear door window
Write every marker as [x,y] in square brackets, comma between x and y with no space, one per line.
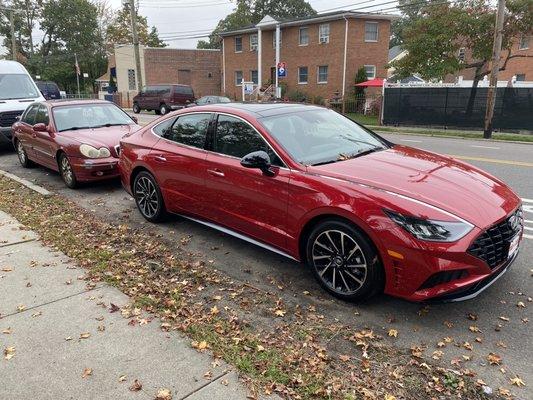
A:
[190,130]
[162,128]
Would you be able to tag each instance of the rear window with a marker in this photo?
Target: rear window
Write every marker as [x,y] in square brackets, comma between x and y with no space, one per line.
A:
[187,90]
[52,87]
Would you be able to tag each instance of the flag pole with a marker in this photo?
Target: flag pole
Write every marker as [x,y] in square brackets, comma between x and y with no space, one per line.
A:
[77,73]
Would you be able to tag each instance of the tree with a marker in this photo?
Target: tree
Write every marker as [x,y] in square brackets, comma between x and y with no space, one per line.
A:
[250,12]
[434,40]
[119,31]
[411,11]
[25,18]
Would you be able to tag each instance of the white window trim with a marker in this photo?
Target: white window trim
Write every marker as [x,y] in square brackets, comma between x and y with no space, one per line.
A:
[318,81]
[319,33]
[520,42]
[256,45]
[300,36]
[375,70]
[235,44]
[377,32]
[307,81]
[235,78]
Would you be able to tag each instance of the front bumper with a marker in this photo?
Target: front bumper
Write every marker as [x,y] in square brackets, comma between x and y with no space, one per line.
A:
[5,134]
[88,170]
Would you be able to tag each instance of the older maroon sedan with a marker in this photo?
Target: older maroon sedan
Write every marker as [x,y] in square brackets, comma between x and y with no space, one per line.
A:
[80,139]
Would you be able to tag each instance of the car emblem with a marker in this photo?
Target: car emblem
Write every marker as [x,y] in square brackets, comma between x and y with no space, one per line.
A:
[514,222]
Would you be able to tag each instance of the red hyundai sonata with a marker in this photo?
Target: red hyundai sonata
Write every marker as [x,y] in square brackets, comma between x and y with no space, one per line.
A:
[365,214]
[80,139]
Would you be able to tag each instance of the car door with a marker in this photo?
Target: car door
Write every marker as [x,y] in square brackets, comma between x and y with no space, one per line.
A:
[243,199]
[25,131]
[144,98]
[178,160]
[43,143]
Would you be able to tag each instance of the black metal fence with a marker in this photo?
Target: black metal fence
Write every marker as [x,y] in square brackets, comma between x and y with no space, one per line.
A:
[456,107]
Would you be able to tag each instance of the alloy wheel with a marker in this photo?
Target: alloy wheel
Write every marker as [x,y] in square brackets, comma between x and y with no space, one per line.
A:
[147,197]
[21,153]
[66,171]
[339,262]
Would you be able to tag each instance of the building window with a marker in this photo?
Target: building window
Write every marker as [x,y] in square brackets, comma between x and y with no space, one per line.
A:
[238,44]
[370,71]
[520,77]
[303,75]
[303,36]
[254,76]
[132,83]
[461,55]
[274,39]
[253,42]
[323,33]
[238,78]
[371,31]
[523,44]
[323,74]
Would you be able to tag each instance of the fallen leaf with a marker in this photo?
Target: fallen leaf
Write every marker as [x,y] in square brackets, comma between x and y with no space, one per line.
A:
[100,328]
[113,308]
[9,353]
[390,397]
[468,346]
[224,382]
[136,386]
[344,358]
[7,331]
[393,333]
[85,335]
[506,319]
[87,372]
[520,304]
[517,381]
[37,314]
[163,394]
[437,354]
[122,378]
[7,269]
[260,348]
[21,308]
[280,313]
[214,310]
[494,359]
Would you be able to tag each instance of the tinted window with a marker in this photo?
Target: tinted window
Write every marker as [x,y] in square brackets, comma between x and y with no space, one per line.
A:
[190,130]
[29,115]
[42,116]
[184,90]
[162,128]
[237,138]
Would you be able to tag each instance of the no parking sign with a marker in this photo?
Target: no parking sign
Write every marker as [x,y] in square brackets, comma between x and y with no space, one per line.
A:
[282,70]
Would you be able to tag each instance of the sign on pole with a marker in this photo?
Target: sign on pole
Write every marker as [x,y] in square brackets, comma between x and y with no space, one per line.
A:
[282,70]
[247,89]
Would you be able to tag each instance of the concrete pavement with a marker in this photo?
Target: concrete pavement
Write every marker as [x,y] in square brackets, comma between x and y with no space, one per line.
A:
[60,340]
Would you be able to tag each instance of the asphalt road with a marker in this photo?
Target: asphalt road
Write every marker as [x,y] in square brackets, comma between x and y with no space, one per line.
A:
[426,325]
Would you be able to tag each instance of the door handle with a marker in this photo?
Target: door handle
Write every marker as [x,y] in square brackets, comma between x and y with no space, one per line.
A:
[215,172]
[160,158]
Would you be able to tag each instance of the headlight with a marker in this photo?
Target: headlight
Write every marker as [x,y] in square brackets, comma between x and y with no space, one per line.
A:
[431,230]
[92,152]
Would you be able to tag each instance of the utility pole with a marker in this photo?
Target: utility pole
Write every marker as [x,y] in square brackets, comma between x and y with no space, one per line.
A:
[496,51]
[136,53]
[13,40]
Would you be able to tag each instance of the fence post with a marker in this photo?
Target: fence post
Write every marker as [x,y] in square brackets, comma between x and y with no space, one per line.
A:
[446,109]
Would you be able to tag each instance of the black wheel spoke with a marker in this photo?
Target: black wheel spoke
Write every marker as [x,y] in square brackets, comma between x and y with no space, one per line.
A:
[146,196]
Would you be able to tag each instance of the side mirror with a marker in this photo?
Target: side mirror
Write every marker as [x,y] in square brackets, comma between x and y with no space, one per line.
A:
[259,160]
[134,119]
[40,127]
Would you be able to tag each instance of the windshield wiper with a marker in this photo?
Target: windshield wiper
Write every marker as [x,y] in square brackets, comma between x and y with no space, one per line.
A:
[365,152]
[324,163]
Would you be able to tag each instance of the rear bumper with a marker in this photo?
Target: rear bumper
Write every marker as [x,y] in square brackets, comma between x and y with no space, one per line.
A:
[95,170]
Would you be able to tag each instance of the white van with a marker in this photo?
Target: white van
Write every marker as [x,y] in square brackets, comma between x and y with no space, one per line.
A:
[17,91]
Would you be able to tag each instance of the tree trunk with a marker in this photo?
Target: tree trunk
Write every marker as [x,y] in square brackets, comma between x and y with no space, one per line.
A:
[473,92]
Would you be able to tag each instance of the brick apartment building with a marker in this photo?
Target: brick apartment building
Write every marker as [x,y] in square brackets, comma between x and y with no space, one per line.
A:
[322,53]
[199,68]
[519,67]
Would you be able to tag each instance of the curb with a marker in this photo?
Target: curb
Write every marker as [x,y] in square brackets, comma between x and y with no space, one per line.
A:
[28,184]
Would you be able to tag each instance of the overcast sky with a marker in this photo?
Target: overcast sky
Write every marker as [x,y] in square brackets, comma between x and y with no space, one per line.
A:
[177,18]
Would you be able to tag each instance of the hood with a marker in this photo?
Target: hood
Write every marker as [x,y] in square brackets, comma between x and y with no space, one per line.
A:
[441,181]
[17,104]
[108,137]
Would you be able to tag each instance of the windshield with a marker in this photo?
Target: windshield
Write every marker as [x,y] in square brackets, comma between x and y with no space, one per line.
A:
[321,136]
[17,86]
[89,116]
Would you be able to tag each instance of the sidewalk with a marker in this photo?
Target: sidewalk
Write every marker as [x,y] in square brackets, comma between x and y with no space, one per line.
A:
[68,344]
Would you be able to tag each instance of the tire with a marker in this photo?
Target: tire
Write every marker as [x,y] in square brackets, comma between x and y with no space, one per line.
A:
[148,197]
[349,271]
[164,109]
[136,108]
[22,155]
[66,172]
[157,112]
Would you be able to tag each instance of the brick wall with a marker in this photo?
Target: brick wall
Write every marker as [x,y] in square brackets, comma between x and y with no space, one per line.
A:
[199,68]
[359,53]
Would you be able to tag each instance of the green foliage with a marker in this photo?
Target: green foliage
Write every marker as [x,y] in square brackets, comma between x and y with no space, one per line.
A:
[119,31]
[360,77]
[250,12]
[29,11]
[297,96]
[434,38]
[319,100]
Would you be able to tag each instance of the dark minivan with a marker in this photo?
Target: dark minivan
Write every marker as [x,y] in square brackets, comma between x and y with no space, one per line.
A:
[163,98]
[50,90]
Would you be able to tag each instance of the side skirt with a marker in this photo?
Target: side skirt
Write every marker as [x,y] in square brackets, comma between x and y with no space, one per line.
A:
[240,236]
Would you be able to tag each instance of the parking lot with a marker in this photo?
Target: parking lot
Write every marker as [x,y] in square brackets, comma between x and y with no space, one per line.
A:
[494,322]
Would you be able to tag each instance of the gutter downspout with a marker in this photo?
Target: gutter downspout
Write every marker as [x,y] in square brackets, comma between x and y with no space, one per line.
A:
[223,67]
[345,57]
[277,59]
[259,57]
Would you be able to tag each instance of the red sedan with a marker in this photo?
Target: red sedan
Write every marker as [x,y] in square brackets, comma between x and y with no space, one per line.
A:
[80,139]
[365,214]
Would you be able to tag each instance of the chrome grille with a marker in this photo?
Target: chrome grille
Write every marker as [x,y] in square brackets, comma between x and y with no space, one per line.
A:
[8,118]
[492,246]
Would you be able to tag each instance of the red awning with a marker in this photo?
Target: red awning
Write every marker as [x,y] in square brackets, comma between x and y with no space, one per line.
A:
[376,82]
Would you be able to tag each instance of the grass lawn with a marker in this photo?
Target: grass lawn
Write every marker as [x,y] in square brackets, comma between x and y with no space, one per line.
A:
[372,122]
